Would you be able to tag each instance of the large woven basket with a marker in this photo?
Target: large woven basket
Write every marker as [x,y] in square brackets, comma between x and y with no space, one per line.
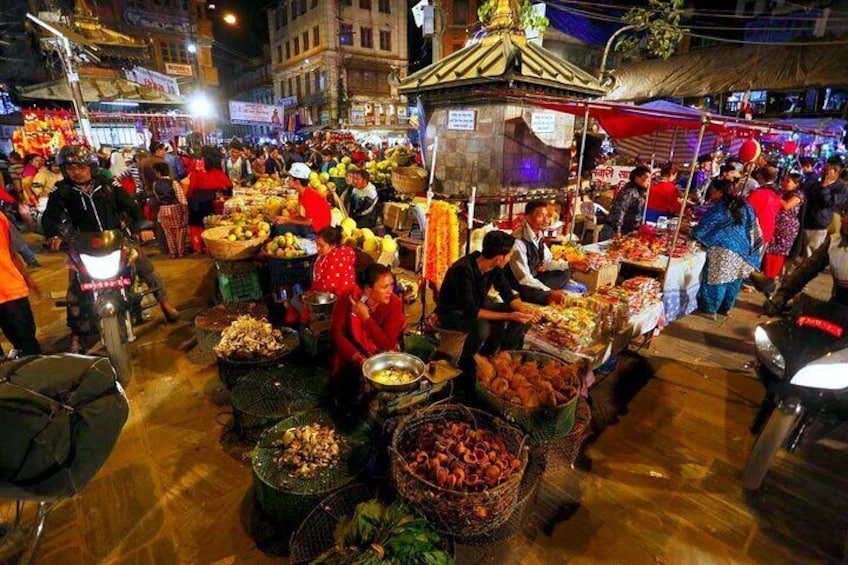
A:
[543,424]
[410,180]
[451,512]
[288,500]
[562,453]
[220,248]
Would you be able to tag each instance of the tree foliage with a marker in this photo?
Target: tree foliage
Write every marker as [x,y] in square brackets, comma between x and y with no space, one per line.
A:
[527,15]
[657,28]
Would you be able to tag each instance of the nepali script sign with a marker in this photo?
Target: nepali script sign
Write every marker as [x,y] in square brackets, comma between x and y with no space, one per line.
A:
[251,114]
[612,175]
[154,80]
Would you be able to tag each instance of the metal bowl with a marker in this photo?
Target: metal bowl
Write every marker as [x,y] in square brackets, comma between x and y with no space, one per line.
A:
[320,304]
[393,360]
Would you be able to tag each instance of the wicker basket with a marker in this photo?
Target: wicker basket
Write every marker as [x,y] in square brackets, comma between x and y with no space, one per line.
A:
[563,452]
[221,248]
[231,370]
[451,512]
[288,500]
[543,424]
[410,180]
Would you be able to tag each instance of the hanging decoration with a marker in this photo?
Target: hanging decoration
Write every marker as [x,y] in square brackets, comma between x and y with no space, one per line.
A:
[45,132]
[790,146]
[750,150]
[442,241]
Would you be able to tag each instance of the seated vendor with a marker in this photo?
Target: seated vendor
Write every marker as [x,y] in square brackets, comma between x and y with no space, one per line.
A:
[312,205]
[334,269]
[664,196]
[532,269]
[366,321]
[464,305]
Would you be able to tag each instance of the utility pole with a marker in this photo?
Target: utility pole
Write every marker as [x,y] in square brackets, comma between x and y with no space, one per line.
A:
[66,55]
[438,30]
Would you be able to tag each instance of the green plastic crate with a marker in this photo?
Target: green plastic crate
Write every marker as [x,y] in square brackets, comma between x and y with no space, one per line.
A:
[240,287]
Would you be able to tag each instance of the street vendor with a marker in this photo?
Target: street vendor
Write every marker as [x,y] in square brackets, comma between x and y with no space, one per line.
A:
[664,196]
[464,305]
[628,205]
[363,200]
[366,321]
[312,205]
[533,272]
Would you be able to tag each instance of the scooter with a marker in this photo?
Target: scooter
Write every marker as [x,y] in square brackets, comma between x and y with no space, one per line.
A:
[104,264]
[802,360]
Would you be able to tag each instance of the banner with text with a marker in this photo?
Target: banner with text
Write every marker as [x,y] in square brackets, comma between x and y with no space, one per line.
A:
[613,175]
[154,80]
[251,114]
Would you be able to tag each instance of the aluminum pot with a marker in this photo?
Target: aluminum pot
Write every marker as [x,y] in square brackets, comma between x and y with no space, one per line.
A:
[394,360]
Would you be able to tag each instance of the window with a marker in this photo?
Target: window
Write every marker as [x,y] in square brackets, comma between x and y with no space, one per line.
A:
[294,10]
[318,81]
[174,53]
[385,6]
[296,46]
[302,7]
[307,84]
[365,4]
[316,37]
[288,50]
[297,87]
[306,41]
[345,34]
[290,91]
[283,11]
[279,53]
[366,39]
[385,40]
[460,11]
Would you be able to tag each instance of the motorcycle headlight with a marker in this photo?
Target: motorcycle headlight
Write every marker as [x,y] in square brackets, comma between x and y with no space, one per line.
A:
[102,268]
[767,352]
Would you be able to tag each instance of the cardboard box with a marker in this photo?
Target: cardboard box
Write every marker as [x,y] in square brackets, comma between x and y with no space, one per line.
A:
[410,254]
[397,216]
[597,279]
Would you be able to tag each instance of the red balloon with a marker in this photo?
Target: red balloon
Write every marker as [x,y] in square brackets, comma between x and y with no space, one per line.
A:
[790,147]
[750,150]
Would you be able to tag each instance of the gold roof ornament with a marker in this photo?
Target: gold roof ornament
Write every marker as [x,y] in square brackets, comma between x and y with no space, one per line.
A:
[503,59]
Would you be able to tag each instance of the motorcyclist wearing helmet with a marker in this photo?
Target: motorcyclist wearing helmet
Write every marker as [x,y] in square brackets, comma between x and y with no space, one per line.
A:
[832,253]
[84,201]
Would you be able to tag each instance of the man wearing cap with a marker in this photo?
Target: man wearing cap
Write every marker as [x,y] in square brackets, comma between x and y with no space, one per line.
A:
[313,206]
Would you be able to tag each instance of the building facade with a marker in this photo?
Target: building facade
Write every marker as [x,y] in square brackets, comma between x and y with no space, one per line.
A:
[340,59]
[255,85]
[460,24]
[172,27]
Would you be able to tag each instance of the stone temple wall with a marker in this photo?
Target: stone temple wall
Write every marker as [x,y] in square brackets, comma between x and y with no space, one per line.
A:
[501,152]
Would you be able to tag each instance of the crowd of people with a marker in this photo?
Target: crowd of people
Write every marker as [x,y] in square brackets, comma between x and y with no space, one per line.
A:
[756,218]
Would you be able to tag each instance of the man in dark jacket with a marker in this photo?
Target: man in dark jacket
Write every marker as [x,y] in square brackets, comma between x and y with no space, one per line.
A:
[628,205]
[86,202]
[823,199]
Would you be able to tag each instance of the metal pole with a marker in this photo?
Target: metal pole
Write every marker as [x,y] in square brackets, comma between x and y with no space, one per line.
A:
[579,172]
[704,121]
[66,55]
[673,141]
[423,286]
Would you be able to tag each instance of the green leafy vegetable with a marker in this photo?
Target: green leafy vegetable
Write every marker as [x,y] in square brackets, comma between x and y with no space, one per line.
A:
[377,534]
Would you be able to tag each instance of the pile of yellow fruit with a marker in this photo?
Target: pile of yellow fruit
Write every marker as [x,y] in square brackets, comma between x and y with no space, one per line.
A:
[381,172]
[365,239]
[340,170]
[321,183]
[259,230]
[284,246]
[278,206]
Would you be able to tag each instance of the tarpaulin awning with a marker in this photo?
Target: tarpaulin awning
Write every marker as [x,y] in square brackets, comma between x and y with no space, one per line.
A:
[99,89]
[732,69]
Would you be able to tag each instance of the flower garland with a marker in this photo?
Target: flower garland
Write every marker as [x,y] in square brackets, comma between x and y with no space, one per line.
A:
[442,241]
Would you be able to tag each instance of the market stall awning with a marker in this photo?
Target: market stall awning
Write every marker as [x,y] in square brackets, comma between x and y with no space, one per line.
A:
[732,69]
[96,89]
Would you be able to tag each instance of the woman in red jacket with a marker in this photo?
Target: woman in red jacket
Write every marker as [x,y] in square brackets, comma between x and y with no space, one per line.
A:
[204,184]
[664,196]
[365,322]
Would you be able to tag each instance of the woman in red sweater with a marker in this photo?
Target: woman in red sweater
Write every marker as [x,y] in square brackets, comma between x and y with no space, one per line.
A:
[664,197]
[204,184]
[366,321]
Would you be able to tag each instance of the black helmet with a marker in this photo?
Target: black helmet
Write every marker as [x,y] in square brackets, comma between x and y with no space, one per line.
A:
[78,155]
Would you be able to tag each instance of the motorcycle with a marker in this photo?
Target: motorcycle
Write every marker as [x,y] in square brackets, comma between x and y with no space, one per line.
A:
[802,360]
[103,263]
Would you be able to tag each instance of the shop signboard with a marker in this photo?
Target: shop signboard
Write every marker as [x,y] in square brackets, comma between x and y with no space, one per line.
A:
[612,175]
[154,80]
[357,116]
[160,21]
[402,115]
[288,101]
[251,114]
[461,120]
[179,69]
[543,122]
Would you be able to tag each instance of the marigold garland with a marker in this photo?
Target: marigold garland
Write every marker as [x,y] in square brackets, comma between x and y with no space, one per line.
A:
[442,241]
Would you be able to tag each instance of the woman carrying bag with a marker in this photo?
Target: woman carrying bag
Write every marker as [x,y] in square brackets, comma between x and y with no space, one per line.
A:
[173,209]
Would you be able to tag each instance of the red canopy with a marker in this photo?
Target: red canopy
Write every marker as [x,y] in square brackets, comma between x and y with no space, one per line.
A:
[621,120]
